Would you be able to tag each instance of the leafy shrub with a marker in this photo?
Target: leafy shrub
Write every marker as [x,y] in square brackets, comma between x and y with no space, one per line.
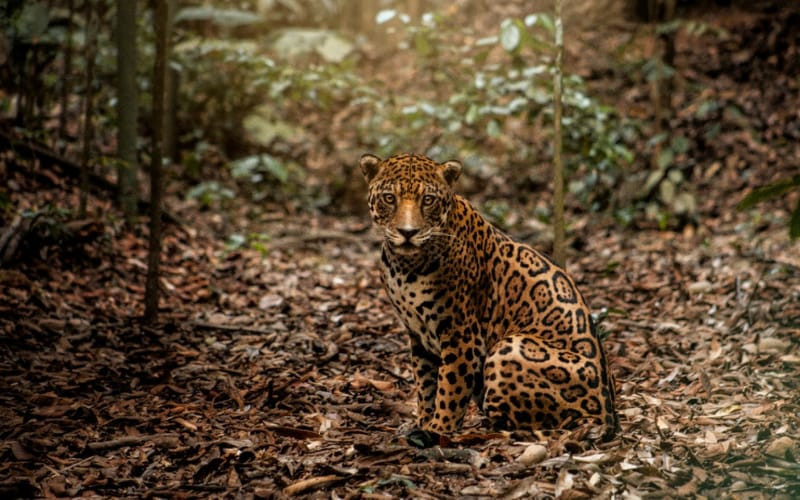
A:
[486,101]
[775,190]
[499,92]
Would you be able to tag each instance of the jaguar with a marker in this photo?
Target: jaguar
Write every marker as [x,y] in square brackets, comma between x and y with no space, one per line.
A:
[490,319]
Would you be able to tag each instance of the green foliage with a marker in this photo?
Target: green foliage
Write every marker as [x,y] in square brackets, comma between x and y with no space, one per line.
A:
[496,211]
[264,176]
[226,81]
[668,196]
[5,203]
[775,190]
[498,91]
[490,96]
[256,167]
[29,38]
[48,225]
[256,241]
[667,191]
[210,193]
[28,23]
[599,318]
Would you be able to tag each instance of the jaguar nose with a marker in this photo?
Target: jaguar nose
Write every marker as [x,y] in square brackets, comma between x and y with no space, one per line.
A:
[408,233]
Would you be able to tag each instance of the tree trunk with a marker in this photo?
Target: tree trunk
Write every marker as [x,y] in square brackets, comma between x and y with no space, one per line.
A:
[127,108]
[88,106]
[559,248]
[66,75]
[171,92]
[159,81]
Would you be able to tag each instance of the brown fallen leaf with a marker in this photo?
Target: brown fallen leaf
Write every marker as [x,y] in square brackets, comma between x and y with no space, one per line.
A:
[19,451]
[360,381]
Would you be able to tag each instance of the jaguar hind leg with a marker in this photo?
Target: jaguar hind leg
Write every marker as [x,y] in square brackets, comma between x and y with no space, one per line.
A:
[536,384]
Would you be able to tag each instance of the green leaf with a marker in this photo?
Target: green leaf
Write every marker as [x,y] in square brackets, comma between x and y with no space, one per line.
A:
[680,144]
[656,69]
[794,223]
[517,105]
[531,19]
[334,48]
[422,45]
[253,165]
[667,191]
[235,241]
[669,27]
[657,139]
[768,192]
[472,114]
[32,21]
[706,108]
[493,128]
[510,35]
[665,158]
[385,16]
[298,42]
[685,203]
[546,21]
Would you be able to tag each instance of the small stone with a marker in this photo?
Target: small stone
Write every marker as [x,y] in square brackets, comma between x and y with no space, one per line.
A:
[533,454]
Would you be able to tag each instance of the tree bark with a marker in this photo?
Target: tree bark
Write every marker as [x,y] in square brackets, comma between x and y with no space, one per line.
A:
[159,81]
[88,106]
[171,92]
[127,108]
[66,75]
[559,247]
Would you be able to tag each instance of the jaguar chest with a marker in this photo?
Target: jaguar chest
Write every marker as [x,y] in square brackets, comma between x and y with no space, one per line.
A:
[421,303]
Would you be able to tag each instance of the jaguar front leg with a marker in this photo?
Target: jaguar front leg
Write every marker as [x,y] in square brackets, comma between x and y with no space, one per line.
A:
[457,378]
[426,367]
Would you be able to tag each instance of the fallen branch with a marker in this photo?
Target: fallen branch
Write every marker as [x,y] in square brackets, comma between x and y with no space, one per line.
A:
[166,440]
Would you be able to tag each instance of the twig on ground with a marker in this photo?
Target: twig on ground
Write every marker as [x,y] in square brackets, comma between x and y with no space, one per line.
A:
[167,440]
[311,483]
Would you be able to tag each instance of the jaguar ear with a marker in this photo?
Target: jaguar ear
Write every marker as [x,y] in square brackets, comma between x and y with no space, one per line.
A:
[450,170]
[369,166]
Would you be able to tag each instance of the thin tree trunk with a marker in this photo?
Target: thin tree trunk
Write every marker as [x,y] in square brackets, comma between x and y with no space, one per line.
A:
[159,81]
[559,249]
[127,108]
[66,75]
[171,92]
[88,106]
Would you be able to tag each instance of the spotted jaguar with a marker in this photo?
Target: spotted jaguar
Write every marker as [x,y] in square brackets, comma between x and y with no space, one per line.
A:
[489,318]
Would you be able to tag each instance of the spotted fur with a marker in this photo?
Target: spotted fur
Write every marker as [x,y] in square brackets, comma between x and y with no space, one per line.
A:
[489,318]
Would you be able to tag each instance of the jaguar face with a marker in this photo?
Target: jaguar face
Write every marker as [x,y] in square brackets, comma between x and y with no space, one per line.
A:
[409,198]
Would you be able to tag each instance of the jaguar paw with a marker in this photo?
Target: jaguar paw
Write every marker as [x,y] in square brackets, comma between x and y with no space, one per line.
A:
[422,438]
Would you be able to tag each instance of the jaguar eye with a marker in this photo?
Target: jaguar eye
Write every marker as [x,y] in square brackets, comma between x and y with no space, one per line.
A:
[389,198]
[428,200]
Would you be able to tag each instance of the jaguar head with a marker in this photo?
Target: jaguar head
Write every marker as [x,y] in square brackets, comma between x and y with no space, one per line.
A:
[410,197]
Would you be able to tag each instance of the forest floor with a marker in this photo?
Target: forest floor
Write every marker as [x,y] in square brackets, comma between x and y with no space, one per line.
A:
[284,372]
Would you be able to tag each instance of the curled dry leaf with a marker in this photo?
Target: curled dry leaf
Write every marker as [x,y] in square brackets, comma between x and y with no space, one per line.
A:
[533,454]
